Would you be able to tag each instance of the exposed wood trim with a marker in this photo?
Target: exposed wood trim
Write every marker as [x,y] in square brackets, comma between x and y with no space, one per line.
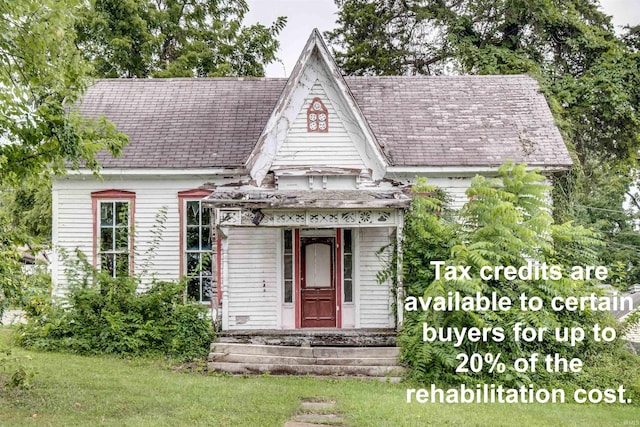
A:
[219,268]
[279,277]
[355,250]
[316,170]
[338,274]
[399,277]
[297,271]
[224,266]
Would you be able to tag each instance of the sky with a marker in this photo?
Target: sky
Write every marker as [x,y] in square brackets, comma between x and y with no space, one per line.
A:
[305,15]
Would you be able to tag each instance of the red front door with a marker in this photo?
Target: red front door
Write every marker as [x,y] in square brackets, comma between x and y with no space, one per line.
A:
[317,282]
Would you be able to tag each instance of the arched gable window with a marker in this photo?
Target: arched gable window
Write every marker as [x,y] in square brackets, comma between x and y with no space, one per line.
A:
[317,117]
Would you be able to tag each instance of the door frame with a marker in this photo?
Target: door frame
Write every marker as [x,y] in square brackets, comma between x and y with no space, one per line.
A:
[336,234]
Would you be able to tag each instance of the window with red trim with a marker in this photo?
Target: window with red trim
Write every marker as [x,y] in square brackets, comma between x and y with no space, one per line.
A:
[317,116]
[196,245]
[113,237]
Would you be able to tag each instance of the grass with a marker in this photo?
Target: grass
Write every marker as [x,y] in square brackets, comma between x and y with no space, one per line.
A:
[72,390]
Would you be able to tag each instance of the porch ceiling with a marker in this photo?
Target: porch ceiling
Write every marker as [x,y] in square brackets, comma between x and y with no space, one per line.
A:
[318,199]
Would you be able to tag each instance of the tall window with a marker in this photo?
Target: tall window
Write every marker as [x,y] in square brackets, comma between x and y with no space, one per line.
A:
[113,237]
[347,265]
[198,251]
[288,265]
[317,116]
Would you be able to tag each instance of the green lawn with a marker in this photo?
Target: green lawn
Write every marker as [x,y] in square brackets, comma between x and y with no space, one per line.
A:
[85,391]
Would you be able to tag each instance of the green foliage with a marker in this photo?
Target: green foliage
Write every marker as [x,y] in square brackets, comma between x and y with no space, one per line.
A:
[590,76]
[175,38]
[14,374]
[105,315]
[506,222]
[42,73]
[27,207]
[16,285]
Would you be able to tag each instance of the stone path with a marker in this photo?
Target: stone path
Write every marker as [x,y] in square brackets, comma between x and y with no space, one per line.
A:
[316,412]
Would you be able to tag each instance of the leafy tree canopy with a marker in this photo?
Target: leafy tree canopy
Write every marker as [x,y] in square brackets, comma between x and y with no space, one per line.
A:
[175,38]
[591,78]
[506,222]
[41,74]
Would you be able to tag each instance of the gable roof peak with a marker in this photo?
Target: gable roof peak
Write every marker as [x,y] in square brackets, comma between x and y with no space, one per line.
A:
[272,137]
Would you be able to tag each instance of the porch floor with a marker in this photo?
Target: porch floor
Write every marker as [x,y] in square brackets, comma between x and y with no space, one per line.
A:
[312,337]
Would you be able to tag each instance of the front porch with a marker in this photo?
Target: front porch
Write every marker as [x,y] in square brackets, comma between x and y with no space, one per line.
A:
[294,261]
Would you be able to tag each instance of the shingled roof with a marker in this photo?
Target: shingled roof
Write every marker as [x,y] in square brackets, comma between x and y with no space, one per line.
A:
[418,120]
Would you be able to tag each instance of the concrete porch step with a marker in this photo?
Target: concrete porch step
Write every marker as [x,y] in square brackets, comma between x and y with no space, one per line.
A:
[314,352]
[324,370]
[288,360]
[379,362]
[326,337]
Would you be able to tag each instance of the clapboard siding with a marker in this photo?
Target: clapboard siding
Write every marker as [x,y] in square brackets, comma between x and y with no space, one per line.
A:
[252,278]
[74,221]
[455,189]
[333,148]
[375,298]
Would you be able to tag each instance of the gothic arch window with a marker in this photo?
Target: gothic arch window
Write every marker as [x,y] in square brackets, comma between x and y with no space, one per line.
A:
[317,116]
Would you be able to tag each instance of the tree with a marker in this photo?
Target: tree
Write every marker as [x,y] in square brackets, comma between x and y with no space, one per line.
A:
[42,74]
[590,76]
[393,37]
[506,222]
[175,38]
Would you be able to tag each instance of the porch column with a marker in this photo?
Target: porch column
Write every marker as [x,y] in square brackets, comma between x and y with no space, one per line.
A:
[400,288]
[224,258]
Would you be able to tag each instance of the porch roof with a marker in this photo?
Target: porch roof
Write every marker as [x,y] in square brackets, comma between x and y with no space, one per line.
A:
[260,198]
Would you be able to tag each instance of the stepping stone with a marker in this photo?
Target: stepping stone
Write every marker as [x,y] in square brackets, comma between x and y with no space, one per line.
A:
[302,424]
[322,419]
[317,406]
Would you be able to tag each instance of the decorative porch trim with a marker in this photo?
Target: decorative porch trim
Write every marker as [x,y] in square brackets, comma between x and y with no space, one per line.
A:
[309,218]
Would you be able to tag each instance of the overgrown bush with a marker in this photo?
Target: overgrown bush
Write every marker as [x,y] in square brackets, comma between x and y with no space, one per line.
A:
[506,222]
[106,315]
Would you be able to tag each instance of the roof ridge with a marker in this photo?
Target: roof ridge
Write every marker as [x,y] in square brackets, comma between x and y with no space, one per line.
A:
[186,79]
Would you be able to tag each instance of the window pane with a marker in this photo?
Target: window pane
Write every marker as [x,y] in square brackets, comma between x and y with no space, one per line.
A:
[122,213]
[347,241]
[348,267]
[192,238]
[193,289]
[205,238]
[106,239]
[318,266]
[206,263]
[106,263]
[288,267]
[206,220]
[106,213]
[193,263]
[348,273]
[288,291]
[122,264]
[122,238]
[348,291]
[207,288]
[287,241]
[193,213]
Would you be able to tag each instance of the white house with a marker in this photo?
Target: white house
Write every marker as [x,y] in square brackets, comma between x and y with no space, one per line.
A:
[278,194]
